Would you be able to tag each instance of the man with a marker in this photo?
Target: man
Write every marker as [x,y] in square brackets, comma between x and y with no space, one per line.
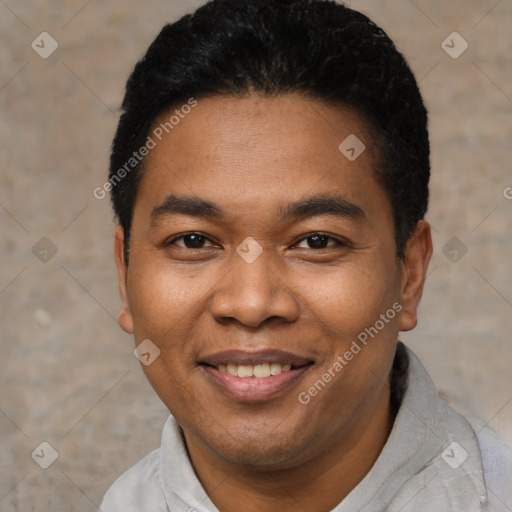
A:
[270,178]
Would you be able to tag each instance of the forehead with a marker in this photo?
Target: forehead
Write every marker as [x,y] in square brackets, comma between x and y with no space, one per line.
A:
[255,150]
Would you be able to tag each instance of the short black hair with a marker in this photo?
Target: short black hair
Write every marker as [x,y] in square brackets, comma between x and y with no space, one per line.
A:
[317,48]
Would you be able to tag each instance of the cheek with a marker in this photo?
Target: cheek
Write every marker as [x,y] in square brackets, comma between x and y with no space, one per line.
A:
[353,296]
[160,299]
[362,310]
[163,305]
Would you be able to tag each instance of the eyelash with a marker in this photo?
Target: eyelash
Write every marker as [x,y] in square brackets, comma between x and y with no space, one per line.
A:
[338,243]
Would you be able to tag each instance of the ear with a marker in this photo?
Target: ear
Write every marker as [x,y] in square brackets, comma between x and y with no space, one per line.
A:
[414,270]
[125,318]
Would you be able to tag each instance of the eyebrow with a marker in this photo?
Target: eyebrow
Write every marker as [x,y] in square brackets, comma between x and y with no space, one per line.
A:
[185,205]
[334,205]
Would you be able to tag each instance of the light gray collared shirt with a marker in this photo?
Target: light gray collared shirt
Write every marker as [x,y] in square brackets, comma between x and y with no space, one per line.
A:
[431,462]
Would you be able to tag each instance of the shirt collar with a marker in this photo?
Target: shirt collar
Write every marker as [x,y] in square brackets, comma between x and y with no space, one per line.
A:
[413,471]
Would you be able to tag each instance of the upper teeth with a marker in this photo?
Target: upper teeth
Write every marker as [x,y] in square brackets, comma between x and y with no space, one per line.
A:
[256,370]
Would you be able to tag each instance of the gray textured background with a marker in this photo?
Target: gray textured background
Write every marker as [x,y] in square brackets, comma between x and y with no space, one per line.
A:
[67,372]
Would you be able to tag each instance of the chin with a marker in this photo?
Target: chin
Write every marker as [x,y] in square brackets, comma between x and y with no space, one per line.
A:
[264,452]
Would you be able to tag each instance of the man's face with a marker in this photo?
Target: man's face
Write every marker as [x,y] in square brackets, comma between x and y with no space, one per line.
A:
[319,268]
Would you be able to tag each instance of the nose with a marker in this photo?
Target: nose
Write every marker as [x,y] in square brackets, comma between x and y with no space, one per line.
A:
[253,293]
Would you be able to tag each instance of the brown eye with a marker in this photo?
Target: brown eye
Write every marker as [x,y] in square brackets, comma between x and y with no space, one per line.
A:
[190,241]
[319,241]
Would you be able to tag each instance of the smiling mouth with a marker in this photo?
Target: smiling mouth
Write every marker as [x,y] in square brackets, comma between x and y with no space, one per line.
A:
[254,376]
[259,371]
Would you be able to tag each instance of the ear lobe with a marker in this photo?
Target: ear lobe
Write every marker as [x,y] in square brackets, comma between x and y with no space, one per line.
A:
[414,270]
[125,317]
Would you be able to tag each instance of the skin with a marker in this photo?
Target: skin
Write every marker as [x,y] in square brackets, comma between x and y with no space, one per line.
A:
[251,156]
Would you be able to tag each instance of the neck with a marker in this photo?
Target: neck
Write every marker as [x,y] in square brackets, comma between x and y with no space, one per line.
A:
[319,483]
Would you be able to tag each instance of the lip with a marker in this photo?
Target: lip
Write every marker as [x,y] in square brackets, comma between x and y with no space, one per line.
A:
[255,357]
[254,389]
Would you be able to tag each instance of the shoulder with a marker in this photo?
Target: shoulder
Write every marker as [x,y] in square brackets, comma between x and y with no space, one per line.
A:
[497,464]
[138,488]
